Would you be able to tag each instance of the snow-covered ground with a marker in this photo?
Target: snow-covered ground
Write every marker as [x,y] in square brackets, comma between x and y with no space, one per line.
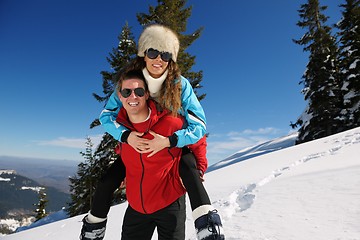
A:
[305,192]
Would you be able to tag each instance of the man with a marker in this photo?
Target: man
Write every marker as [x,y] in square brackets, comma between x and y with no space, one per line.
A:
[153,187]
[154,190]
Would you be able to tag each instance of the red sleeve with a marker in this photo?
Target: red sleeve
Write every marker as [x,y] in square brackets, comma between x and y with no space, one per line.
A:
[199,150]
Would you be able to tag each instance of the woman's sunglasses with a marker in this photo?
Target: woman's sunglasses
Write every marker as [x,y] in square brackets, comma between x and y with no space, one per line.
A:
[126,92]
[153,53]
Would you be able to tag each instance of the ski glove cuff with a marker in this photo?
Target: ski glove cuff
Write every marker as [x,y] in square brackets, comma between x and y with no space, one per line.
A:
[173,139]
[124,136]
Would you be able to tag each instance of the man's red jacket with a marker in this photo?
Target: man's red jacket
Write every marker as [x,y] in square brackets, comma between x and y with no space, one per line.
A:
[153,183]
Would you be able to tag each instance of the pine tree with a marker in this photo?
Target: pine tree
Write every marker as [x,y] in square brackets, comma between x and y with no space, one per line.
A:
[80,201]
[83,184]
[118,59]
[40,211]
[321,79]
[349,35]
[174,14]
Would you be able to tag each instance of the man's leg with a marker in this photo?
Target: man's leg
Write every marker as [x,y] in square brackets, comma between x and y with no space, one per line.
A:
[170,221]
[137,226]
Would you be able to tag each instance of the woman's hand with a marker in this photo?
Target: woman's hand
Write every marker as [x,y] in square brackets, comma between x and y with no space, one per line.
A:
[136,142]
[157,144]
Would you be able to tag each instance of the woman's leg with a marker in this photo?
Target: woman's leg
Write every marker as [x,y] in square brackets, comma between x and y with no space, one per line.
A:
[191,179]
[206,218]
[94,224]
[106,187]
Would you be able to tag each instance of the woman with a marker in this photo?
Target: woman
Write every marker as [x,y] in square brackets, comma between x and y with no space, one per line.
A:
[158,48]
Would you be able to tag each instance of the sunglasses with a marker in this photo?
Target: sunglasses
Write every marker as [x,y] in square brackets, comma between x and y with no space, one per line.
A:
[153,53]
[126,92]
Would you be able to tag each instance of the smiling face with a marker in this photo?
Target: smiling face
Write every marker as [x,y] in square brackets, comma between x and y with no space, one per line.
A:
[135,106]
[156,67]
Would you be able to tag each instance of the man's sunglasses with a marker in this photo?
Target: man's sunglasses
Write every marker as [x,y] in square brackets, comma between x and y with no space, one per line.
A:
[126,92]
[153,53]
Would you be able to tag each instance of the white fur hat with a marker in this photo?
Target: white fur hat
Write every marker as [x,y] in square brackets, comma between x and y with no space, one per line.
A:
[159,37]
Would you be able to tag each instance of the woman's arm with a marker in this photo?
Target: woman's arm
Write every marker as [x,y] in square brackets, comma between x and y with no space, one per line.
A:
[194,115]
[192,110]
[119,132]
[108,118]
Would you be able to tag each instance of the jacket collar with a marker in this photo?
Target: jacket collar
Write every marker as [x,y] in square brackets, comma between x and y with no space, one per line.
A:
[155,114]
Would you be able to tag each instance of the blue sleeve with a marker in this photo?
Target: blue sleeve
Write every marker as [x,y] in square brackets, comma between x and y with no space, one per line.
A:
[194,114]
[108,117]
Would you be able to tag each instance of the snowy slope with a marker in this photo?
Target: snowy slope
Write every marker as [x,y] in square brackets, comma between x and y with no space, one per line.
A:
[309,191]
[257,150]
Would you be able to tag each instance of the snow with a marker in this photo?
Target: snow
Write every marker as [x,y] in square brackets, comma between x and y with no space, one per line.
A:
[353,65]
[307,191]
[5,179]
[60,215]
[6,172]
[35,189]
[12,223]
[257,150]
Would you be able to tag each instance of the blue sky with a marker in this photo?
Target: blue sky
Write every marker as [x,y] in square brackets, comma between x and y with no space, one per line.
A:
[52,53]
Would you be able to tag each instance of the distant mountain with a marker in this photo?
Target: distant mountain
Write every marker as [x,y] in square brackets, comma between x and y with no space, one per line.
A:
[48,172]
[19,194]
[256,150]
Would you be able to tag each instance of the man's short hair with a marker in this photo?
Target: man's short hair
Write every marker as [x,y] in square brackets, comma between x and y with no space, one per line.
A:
[131,74]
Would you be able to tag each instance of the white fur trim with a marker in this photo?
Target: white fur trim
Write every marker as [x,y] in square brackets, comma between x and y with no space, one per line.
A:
[160,38]
[154,84]
[92,219]
[202,210]
[205,233]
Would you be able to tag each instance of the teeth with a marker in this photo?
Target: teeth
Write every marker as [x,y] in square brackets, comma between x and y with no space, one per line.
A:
[133,104]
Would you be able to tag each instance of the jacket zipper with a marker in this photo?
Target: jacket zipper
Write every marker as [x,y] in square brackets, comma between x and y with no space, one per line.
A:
[141,183]
[129,126]
[142,175]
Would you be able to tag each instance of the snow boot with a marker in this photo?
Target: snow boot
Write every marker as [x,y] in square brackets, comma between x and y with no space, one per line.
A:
[92,231]
[209,227]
